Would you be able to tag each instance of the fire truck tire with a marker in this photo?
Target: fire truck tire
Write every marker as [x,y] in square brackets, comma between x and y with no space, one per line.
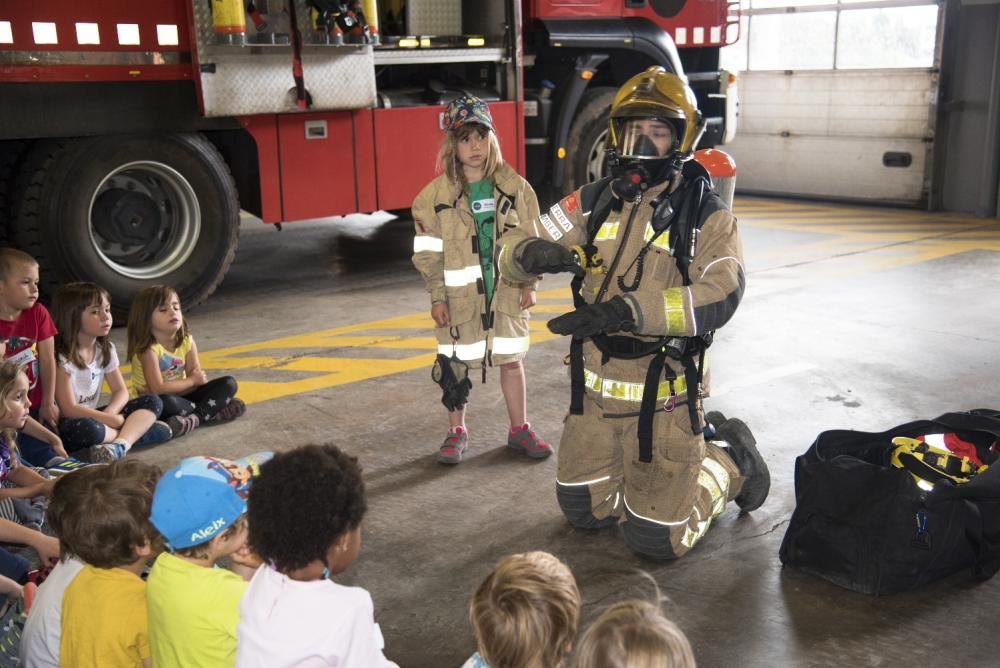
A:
[127,212]
[11,155]
[585,143]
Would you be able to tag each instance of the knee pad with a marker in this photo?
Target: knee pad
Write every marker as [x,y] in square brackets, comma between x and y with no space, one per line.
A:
[575,504]
[648,538]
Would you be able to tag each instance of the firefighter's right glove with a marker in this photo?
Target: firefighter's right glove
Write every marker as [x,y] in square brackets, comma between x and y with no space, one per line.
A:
[538,256]
[613,315]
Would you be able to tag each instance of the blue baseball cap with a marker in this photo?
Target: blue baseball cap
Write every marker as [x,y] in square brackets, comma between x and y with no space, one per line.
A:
[199,497]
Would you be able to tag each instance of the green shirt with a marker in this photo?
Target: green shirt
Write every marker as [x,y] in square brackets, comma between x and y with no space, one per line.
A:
[484,211]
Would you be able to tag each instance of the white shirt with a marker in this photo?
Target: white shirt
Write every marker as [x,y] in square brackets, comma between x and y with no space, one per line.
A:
[285,623]
[86,382]
[41,636]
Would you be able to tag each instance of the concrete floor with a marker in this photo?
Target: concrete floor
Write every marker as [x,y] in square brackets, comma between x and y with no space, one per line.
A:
[853,318]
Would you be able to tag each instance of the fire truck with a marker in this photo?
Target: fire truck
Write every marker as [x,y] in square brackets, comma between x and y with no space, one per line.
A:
[132,134]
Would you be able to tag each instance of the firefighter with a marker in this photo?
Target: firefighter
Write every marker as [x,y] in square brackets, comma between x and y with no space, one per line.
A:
[658,266]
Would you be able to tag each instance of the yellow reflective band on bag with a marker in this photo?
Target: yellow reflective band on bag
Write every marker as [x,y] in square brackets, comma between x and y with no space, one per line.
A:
[673,308]
[929,465]
[625,391]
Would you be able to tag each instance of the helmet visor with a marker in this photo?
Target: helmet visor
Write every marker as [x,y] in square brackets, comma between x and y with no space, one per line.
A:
[645,138]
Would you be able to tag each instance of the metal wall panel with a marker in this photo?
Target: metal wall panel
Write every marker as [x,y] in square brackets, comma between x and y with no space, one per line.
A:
[825,133]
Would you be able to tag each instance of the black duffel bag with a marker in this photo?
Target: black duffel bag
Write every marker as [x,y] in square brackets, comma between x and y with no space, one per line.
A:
[866,525]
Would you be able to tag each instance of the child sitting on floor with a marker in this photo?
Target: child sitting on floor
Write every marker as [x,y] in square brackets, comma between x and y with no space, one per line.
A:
[305,513]
[200,509]
[525,613]
[634,634]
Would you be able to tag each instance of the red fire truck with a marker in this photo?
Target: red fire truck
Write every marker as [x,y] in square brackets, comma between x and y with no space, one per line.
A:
[133,133]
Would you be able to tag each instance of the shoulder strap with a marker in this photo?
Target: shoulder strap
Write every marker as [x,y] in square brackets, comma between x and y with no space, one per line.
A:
[598,199]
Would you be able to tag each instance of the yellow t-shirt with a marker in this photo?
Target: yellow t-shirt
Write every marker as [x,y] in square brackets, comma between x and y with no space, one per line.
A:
[193,613]
[171,366]
[104,620]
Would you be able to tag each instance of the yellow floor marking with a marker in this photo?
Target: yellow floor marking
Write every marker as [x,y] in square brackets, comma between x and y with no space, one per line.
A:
[404,335]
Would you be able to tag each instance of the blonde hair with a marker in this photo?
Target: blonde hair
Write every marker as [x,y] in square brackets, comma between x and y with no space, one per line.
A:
[447,160]
[140,319]
[11,257]
[525,613]
[68,305]
[634,634]
[8,374]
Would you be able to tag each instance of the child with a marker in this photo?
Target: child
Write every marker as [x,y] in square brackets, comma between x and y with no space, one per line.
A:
[525,613]
[634,634]
[26,338]
[104,621]
[305,513]
[481,317]
[14,405]
[200,509]
[87,358]
[67,515]
[165,362]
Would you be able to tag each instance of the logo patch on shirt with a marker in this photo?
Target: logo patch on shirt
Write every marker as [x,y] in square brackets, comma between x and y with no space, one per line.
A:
[561,218]
[550,227]
[570,202]
[483,205]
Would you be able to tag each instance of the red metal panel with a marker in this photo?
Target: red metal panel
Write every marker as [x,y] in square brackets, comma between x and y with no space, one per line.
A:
[317,174]
[108,60]
[407,142]
[364,159]
[264,130]
[107,14]
[700,15]
[573,9]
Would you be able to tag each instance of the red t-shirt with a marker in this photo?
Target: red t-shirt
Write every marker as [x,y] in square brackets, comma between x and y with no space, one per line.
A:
[22,337]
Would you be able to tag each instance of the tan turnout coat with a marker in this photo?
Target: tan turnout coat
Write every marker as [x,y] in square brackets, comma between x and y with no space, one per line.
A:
[447,256]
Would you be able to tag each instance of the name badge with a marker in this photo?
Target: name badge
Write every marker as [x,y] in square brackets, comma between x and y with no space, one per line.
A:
[24,357]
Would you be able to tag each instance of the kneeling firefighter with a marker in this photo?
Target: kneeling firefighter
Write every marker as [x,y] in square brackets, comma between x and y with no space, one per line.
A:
[658,267]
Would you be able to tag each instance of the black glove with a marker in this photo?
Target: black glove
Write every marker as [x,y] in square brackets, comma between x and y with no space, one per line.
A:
[538,256]
[611,316]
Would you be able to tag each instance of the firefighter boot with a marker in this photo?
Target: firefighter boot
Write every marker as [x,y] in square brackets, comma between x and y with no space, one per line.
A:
[753,469]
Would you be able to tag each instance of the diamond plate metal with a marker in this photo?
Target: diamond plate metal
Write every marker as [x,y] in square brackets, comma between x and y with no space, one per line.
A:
[257,79]
[434,17]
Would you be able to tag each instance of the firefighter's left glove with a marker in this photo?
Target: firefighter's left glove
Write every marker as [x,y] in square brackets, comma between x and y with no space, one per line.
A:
[538,256]
[613,315]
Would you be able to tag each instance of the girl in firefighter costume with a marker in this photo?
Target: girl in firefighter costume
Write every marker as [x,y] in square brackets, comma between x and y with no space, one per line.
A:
[481,317]
[659,267]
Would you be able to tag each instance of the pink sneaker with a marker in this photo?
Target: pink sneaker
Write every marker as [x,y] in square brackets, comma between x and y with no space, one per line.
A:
[455,443]
[527,442]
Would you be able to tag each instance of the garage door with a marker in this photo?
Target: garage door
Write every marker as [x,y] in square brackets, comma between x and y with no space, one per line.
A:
[836,103]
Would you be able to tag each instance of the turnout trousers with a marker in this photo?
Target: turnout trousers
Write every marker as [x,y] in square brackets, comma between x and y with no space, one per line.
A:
[666,505]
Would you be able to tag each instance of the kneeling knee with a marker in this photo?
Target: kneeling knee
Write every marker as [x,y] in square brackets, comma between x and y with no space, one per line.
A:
[650,539]
[576,506]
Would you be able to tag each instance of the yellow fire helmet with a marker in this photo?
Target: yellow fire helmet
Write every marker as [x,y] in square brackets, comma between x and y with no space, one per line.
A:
[661,95]
[929,465]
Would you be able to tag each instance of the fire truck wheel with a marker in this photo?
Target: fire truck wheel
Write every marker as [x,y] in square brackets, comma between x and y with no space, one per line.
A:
[130,212]
[12,153]
[585,162]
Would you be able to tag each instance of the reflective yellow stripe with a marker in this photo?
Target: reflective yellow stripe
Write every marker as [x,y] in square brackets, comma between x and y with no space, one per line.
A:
[625,391]
[673,307]
[662,241]
[714,478]
[607,232]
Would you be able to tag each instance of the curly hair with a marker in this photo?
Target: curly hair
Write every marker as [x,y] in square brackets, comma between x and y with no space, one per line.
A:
[9,373]
[101,513]
[525,613]
[302,502]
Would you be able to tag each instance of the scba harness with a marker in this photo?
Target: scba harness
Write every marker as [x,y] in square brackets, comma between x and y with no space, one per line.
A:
[683,213]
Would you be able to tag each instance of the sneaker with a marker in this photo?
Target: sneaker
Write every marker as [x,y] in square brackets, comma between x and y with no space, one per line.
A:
[527,442]
[454,445]
[160,432]
[234,409]
[182,425]
[105,453]
[65,466]
[743,450]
